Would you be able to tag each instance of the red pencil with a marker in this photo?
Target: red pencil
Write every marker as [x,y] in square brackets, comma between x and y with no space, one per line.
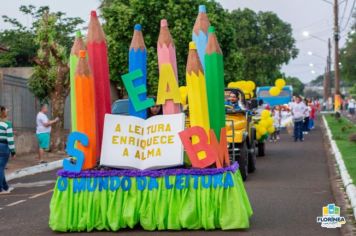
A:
[98,61]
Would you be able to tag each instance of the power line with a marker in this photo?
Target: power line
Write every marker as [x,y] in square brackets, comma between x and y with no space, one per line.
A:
[344,11]
[350,15]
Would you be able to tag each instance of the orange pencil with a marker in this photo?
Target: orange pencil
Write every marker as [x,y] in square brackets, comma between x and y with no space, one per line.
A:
[85,98]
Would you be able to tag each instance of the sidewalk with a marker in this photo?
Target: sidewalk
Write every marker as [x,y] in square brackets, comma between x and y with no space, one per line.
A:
[30,160]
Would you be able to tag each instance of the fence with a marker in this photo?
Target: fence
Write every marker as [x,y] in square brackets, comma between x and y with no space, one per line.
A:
[22,104]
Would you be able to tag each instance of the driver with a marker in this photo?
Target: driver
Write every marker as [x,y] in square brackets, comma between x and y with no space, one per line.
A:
[233,101]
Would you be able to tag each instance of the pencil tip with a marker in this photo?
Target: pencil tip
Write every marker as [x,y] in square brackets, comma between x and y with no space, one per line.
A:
[138,27]
[192,45]
[93,13]
[202,9]
[211,29]
[164,23]
[82,53]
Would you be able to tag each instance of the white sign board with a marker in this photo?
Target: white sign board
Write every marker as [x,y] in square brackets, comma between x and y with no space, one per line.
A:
[132,142]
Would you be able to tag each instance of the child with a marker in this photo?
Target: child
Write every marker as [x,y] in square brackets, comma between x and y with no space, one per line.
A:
[277,117]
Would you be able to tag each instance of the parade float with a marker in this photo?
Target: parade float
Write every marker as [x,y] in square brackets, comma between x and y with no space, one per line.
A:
[143,178]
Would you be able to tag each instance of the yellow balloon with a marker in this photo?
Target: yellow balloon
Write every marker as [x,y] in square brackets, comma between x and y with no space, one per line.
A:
[271,130]
[231,85]
[265,114]
[183,90]
[252,94]
[274,91]
[269,121]
[280,83]
[262,131]
[264,123]
[258,136]
[250,85]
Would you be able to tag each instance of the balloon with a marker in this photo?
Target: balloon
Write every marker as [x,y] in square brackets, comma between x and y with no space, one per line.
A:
[280,83]
[258,136]
[274,91]
[183,94]
[265,114]
[263,123]
[231,85]
[252,94]
[269,121]
[271,130]
[250,85]
[262,130]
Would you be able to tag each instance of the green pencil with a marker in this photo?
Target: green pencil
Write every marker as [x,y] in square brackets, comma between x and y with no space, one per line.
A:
[214,76]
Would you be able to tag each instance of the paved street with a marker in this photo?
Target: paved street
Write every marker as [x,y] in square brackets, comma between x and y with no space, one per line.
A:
[287,193]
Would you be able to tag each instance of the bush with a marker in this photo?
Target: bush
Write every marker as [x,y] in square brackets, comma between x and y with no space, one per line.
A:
[352,137]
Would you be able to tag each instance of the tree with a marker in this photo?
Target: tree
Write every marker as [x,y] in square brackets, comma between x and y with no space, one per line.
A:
[348,59]
[21,45]
[264,42]
[121,15]
[298,86]
[51,33]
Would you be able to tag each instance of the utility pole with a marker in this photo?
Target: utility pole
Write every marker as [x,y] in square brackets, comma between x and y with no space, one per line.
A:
[328,68]
[325,84]
[336,47]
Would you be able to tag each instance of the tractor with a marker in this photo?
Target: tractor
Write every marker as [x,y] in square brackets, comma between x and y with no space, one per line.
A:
[241,134]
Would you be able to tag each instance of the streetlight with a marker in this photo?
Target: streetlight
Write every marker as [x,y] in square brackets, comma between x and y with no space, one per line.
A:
[310,53]
[307,35]
[311,64]
[313,72]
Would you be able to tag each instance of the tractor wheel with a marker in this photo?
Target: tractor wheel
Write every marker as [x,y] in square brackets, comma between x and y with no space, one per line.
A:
[242,159]
[252,152]
[261,149]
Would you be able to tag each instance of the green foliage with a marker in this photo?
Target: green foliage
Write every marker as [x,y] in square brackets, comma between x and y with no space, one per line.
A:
[21,45]
[298,86]
[255,45]
[348,59]
[353,91]
[342,137]
[45,44]
[264,41]
[121,15]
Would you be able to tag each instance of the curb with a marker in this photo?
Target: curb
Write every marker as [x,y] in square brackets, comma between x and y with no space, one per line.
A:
[34,170]
[346,179]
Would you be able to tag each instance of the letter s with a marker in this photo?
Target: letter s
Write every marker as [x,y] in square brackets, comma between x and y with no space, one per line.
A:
[76,153]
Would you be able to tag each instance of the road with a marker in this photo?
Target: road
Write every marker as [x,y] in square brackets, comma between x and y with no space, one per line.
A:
[287,193]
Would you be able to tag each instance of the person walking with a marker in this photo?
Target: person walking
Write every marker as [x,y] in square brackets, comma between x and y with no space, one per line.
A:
[306,117]
[43,131]
[7,148]
[298,110]
[352,106]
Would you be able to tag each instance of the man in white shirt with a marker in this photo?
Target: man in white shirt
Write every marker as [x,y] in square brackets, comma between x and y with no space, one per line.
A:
[43,131]
[299,110]
[352,106]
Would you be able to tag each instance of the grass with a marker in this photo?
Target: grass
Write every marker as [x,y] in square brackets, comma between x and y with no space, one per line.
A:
[341,130]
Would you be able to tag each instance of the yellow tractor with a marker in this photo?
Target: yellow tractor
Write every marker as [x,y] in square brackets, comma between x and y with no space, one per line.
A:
[241,135]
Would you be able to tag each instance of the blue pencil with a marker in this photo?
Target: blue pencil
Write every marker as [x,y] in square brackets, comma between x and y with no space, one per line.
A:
[200,33]
[138,60]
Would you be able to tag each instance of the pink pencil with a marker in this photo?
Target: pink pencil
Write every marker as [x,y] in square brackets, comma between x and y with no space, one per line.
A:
[167,55]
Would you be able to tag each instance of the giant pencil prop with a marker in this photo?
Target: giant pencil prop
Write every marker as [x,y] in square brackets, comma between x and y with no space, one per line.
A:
[138,60]
[198,102]
[85,104]
[200,33]
[98,61]
[73,61]
[214,75]
[167,63]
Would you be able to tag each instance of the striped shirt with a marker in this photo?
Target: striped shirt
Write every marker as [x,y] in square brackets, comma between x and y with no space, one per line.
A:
[7,135]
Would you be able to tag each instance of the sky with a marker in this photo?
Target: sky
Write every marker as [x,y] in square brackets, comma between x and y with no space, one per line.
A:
[314,16]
